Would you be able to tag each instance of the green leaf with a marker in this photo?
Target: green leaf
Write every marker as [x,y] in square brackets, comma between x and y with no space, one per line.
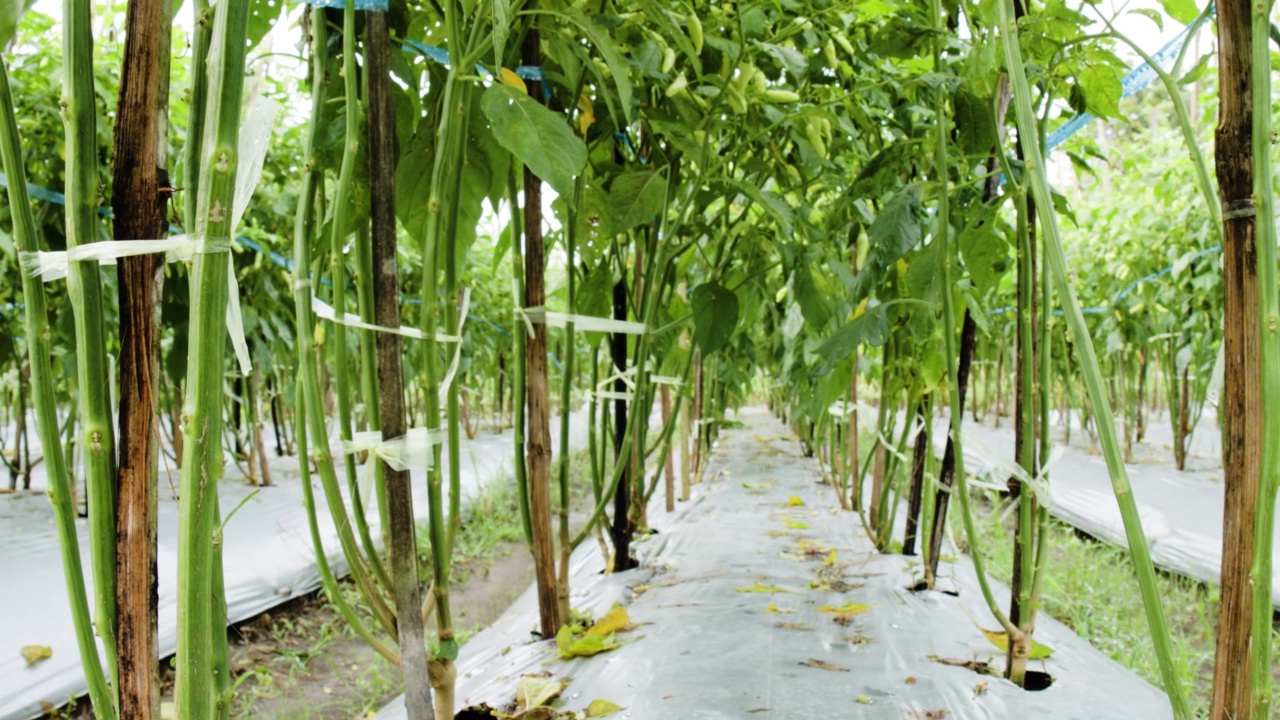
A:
[715,316]
[895,231]
[602,708]
[1197,71]
[1151,15]
[1001,640]
[618,65]
[449,649]
[869,328]
[985,255]
[538,137]
[789,58]
[771,202]
[975,127]
[10,13]
[1101,87]
[635,198]
[1184,11]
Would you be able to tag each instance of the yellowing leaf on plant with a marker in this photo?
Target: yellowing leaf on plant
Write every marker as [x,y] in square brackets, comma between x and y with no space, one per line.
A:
[773,609]
[532,691]
[858,311]
[759,587]
[512,80]
[588,116]
[1001,640]
[794,501]
[35,653]
[846,609]
[602,708]
[614,620]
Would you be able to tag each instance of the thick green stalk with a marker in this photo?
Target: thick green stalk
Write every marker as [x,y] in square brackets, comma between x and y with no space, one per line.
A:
[520,338]
[1104,422]
[949,340]
[197,96]
[309,357]
[1269,314]
[195,692]
[39,350]
[327,580]
[84,281]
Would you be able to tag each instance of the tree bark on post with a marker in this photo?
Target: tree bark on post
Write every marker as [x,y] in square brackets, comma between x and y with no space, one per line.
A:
[1240,409]
[141,191]
[621,530]
[538,441]
[391,412]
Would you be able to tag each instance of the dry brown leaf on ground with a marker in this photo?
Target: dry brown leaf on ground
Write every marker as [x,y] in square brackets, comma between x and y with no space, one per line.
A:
[823,665]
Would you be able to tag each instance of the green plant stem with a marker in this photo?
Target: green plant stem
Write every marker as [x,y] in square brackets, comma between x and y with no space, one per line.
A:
[1269,315]
[196,689]
[1139,551]
[311,413]
[84,282]
[327,579]
[519,334]
[949,339]
[369,371]
[39,350]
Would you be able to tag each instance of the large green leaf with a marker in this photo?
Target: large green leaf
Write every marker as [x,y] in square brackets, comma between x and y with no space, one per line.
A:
[985,255]
[10,13]
[895,231]
[635,198]
[1101,87]
[538,137]
[869,328]
[1184,11]
[618,65]
[715,316]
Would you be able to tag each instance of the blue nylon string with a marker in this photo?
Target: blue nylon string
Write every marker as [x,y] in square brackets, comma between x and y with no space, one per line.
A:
[375,5]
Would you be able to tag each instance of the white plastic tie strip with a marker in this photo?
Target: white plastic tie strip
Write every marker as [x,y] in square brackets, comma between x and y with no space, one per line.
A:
[402,453]
[325,311]
[255,136]
[1003,467]
[457,349]
[586,323]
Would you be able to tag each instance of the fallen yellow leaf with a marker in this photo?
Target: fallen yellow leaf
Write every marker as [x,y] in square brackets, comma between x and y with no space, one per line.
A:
[614,620]
[36,653]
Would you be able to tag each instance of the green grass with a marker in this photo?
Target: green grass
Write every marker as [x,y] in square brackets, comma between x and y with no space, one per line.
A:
[1092,588]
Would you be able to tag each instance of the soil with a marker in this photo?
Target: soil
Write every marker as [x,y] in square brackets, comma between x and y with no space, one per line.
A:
[299,660]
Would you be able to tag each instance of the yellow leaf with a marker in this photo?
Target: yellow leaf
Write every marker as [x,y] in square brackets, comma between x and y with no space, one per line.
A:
[589,645]
[532,692]
[794,501]
[588,116]
[35,653]
[613,621]
[602,708]
[1001,640]
[760,588]
[512,80]
[858,311]
[831,559]
[865,700]
[774,609]
[847,609]
[796,525]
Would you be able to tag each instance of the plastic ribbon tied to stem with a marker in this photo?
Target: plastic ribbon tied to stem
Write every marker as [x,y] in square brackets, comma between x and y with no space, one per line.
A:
[255,135]
[401,453]
[1000,466]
